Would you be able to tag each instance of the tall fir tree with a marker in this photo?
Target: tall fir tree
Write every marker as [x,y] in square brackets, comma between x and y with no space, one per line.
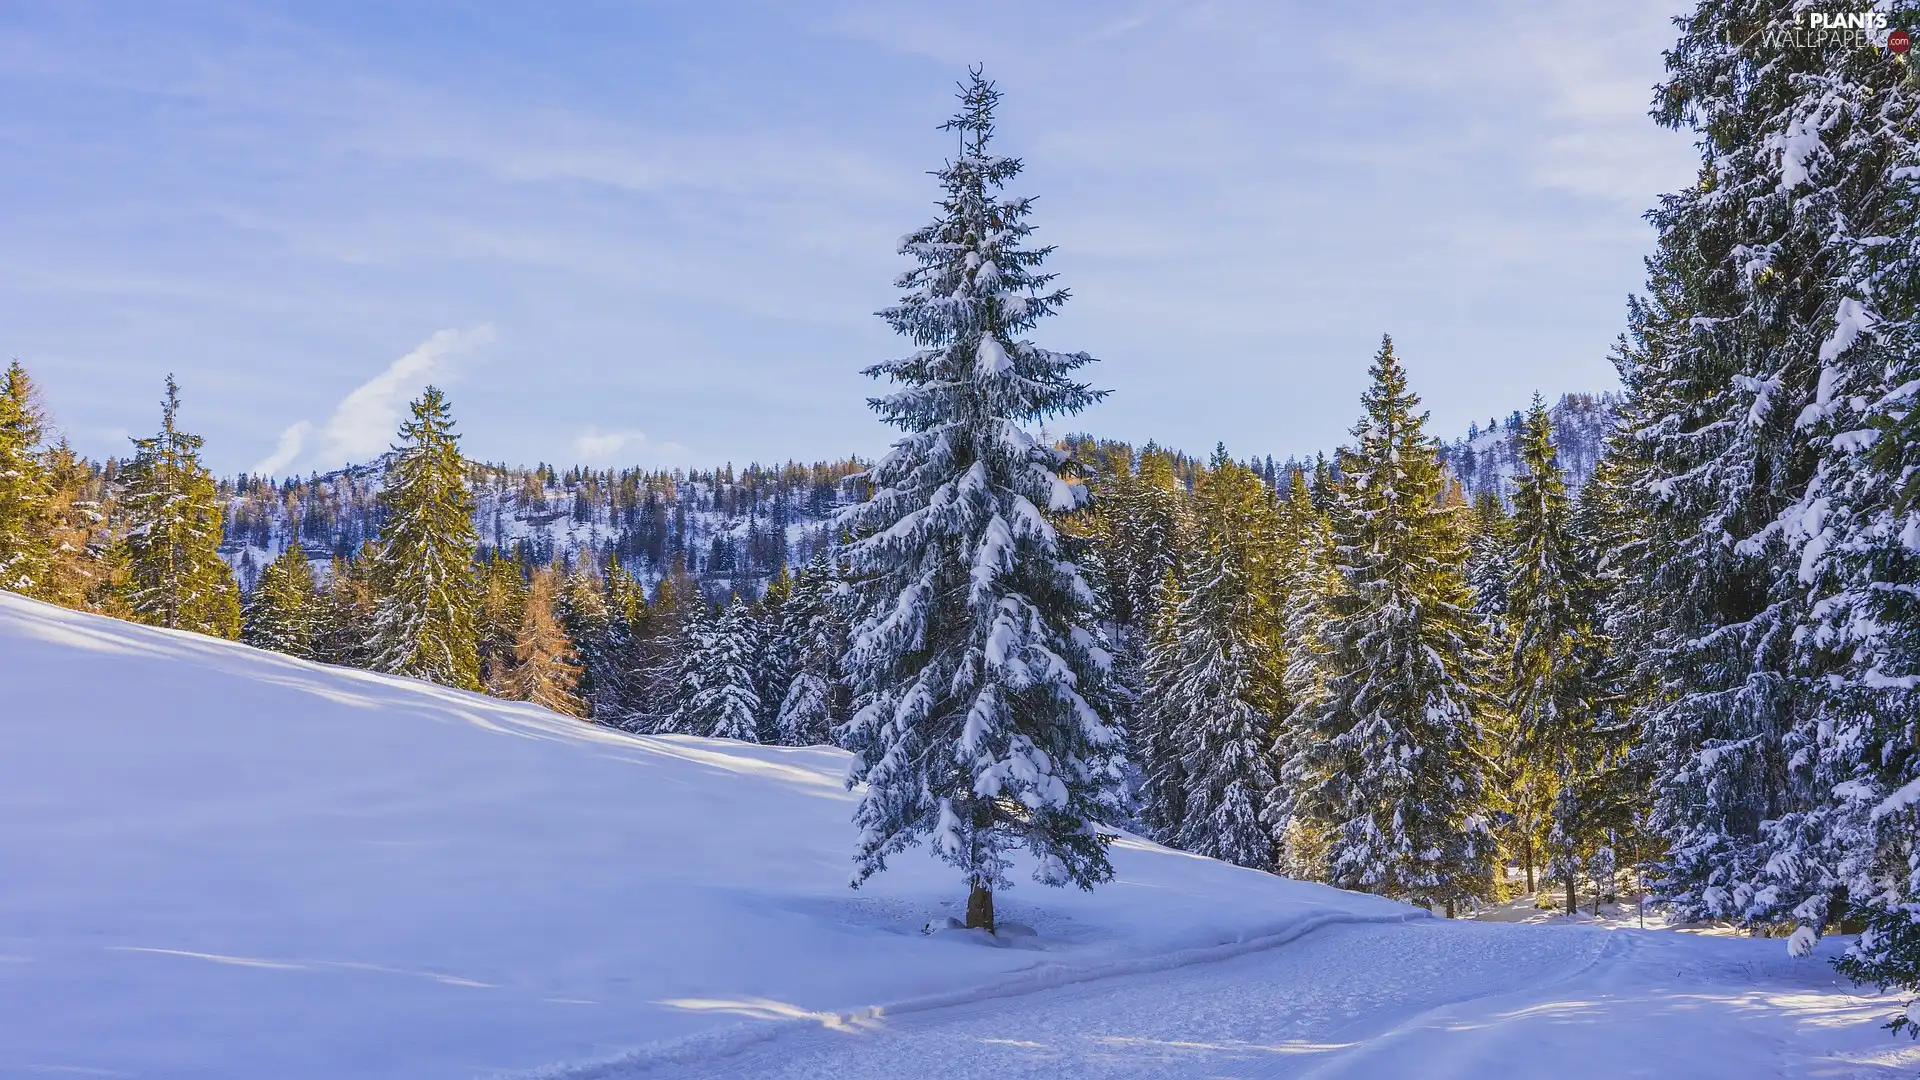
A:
[1307,587]
[979,676]
[1772,372]
[1395,771]
[813,703]
[283,614]
[1555,683]
[172,527]
[26,548]
[426,623]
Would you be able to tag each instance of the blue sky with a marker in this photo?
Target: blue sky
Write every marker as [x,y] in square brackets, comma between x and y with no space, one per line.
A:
[655,234]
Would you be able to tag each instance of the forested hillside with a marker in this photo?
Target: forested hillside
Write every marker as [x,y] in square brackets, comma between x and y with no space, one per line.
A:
[730,529]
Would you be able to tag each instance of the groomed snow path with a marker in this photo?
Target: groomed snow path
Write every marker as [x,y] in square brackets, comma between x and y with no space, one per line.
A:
[1423,999]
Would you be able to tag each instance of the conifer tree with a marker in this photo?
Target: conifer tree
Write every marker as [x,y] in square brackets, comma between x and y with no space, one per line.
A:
[772,651]
[1138,529]
[618,656]
[717,697]
[544,669]
[26,551]
[348,606]
[1771,371]
[1552,692]
[1307,586]
[587,616]
[1395,772]
[425,626]
[814,702]
[1222,705]
[173,525]
[1141,527]
[662,650]
[1156,740]
[79,572]
[979,677]
[1489,561]
[283,613]
[502,610]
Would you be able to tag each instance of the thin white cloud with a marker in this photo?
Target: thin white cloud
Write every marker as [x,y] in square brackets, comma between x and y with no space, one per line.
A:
[364,423]
[292,441]
[596,447]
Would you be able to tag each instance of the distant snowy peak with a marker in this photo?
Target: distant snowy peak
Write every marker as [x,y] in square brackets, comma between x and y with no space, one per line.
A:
[1487,457]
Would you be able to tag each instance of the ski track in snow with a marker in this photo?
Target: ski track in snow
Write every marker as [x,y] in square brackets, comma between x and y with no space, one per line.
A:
[1423,999]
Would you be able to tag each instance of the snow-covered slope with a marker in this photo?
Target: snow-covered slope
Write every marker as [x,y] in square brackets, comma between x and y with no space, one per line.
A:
[1487,459]
[216,861]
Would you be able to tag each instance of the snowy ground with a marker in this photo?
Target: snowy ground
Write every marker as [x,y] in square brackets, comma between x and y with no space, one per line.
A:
[218,862]
[1427,999]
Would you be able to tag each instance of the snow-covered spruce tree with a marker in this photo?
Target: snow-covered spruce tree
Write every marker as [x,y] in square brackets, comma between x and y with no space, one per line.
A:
[1489,561]
[594,632]
[284,611]
[26,552]
[426,621]
[1161,801]
[1394,771]
[773,651]
[717,696]
[979,678]
[1554,679]
[614,660]
[1308,583]
[814,702]
[545,671]
[1769,363]
[1141,517]
[1140,528]
[1227,689]
[173,525]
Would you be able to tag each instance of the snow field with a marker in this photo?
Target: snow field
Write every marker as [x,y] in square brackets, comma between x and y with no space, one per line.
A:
[219,861]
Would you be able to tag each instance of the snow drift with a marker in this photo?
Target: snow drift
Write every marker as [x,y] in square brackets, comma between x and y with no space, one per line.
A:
[221,861]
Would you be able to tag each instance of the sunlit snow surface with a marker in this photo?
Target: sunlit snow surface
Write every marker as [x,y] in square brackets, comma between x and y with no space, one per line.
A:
[217,862]
[215,857]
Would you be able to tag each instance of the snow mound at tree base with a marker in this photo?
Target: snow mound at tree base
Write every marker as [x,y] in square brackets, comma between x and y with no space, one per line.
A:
[225,862]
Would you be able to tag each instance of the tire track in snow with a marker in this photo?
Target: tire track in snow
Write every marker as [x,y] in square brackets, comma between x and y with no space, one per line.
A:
[710,1049]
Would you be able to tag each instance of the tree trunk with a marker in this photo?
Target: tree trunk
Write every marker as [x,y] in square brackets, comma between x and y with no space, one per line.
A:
[1526,860]
[1573,904]
[1449,908]
[980,908]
